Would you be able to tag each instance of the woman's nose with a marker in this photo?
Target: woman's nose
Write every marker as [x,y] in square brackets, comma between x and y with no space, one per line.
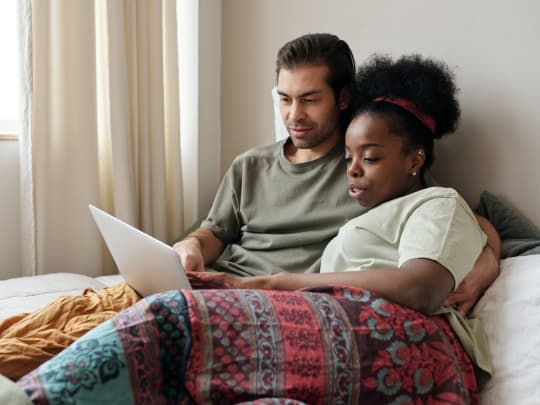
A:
[354,170]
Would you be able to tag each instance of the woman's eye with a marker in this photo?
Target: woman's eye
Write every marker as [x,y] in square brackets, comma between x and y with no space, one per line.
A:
[370,160]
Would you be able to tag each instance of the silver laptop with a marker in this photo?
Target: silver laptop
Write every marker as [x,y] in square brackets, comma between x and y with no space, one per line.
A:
[148,265]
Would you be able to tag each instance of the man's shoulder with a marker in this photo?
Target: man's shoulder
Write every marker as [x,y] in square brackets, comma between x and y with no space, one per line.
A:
[271,151]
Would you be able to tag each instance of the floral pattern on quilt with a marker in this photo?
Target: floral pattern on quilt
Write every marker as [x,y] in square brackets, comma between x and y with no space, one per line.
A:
[330,345]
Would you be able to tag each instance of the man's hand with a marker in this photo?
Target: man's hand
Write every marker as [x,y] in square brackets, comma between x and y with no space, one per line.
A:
[199,248]
[484,272]
[190,253]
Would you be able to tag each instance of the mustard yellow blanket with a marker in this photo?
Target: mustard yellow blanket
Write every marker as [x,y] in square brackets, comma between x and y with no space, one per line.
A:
[27,340]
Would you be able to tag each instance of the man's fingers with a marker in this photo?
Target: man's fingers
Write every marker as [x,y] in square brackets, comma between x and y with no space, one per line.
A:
[193,264]
[465,307]
[199,268]
[455,298]
[461,301]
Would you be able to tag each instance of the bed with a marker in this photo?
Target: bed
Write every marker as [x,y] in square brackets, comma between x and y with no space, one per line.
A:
[510,308]
[27,294]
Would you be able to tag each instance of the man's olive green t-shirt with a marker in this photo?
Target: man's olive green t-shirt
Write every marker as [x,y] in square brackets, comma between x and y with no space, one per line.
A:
[276,215]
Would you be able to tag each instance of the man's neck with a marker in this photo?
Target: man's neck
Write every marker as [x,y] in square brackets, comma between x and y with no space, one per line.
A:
[303,155]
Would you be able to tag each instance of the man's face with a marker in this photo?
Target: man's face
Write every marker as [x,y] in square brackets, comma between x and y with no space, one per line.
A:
[308,106]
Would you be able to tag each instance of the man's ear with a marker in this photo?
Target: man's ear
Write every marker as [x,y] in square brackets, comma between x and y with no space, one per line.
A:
[344,99]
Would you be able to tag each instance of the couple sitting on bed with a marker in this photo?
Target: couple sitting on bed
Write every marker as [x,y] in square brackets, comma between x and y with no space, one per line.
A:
[369,327]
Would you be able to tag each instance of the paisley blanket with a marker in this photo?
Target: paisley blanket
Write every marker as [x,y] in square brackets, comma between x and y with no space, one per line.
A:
[331,345]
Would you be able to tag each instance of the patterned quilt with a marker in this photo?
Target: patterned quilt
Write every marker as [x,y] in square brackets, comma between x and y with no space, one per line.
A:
[331,345]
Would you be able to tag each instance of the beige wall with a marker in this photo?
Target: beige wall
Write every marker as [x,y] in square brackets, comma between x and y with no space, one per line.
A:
[492,45]
[9,209]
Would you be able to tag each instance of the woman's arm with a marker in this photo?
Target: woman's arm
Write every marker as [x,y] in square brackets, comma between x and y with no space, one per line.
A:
[484,272]
[420,284]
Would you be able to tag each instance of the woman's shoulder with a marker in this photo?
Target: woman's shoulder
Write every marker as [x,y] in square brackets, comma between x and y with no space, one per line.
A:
[434,196]
[437,192]
[430,195]
[430,199]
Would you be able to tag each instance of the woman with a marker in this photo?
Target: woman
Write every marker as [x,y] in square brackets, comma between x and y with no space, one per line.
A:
[368,334]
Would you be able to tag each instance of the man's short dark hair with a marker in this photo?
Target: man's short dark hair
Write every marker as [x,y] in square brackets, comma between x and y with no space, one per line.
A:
[320,49]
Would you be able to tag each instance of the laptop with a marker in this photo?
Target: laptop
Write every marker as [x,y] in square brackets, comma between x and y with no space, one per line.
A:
[148,265]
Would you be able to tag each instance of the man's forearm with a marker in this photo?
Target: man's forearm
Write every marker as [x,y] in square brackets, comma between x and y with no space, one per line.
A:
[492,248]
[211,247]
[493,238]
[486,269]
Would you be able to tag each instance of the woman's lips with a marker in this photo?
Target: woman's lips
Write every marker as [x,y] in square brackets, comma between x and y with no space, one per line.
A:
[356,192]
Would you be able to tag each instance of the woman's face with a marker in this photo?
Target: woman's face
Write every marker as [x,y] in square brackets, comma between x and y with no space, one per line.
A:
[378,168]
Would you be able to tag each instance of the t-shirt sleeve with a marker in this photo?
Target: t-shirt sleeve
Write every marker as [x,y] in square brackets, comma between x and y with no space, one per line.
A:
[446,231]
[224,218]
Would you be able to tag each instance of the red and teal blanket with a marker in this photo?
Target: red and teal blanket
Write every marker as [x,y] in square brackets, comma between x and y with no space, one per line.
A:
[331,345]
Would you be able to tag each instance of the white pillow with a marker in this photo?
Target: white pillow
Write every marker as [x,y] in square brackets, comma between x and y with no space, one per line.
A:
[510,311]
[281,130]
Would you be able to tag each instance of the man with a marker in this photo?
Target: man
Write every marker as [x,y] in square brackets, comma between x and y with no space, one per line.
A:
[279,205]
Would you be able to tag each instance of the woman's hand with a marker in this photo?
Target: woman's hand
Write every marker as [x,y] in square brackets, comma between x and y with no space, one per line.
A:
[224,280]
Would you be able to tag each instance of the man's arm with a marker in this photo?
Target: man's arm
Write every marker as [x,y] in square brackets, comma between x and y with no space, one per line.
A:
[199,248]
[484,272]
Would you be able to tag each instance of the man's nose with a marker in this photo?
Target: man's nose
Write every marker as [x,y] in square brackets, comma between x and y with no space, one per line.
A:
[297,112]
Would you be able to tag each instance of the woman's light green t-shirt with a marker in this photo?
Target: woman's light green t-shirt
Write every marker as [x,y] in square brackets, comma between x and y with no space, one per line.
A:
[434,223]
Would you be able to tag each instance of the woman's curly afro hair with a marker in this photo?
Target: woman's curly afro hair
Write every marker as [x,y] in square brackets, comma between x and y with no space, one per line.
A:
[427,83]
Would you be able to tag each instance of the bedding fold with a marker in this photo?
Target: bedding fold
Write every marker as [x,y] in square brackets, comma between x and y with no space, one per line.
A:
[27,340]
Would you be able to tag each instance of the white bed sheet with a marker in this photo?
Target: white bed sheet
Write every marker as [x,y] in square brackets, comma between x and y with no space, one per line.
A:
[26,294]
[510,310]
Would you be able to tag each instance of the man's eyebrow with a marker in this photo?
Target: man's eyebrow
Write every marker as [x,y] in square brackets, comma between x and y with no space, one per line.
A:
[306,94]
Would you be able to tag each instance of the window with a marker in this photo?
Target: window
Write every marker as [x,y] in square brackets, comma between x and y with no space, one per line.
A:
[9,78]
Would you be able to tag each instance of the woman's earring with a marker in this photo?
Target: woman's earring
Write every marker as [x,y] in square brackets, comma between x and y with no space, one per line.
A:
[414,174]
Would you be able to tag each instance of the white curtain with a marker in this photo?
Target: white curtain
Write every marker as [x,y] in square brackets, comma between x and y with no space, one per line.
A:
[101,126]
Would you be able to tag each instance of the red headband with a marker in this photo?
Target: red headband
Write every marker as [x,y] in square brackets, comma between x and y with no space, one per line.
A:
[408,105]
